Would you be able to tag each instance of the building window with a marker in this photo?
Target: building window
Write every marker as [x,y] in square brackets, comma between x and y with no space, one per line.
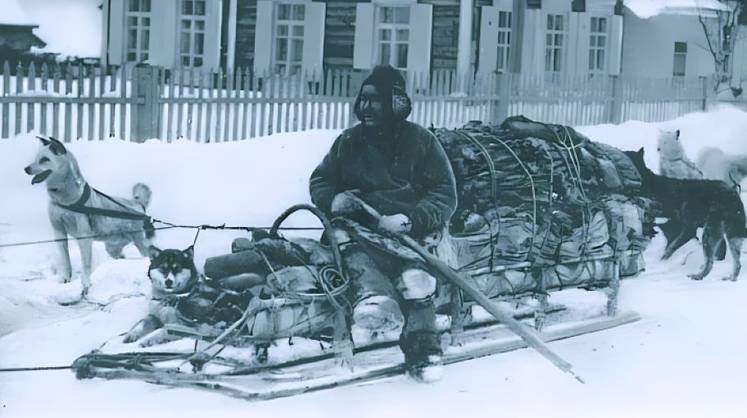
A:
[192,33]
[554,43]
[597,44]
[138,30]
[289,30]
[393,36]
[504,41]
[680,59]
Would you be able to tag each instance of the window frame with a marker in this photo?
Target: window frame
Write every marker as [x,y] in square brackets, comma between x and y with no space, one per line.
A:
[291,66]
[503,44]
[677,54]
[598,54]
[192,56]
[555,55]
[142,28]
[393,28]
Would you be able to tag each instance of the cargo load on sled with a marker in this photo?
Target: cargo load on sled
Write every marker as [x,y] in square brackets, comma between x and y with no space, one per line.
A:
[541,208]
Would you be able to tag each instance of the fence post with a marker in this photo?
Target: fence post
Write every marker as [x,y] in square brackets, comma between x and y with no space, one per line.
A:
[356,79]
[500,103]
[615,105]
[146,110]
[704,92]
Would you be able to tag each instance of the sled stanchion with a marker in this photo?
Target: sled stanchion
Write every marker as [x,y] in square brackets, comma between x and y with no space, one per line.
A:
[540,313]
[613,291]
[456,328]
[529,336]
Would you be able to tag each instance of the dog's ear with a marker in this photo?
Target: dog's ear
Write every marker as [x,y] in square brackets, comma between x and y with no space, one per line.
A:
[44,141]
[57,147]
[640,151]
[153,252]
[189,252]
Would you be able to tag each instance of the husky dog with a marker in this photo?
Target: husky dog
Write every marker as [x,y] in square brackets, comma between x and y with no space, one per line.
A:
[712,204]
[672,159]
[173,276]
[78,211]
[716,165]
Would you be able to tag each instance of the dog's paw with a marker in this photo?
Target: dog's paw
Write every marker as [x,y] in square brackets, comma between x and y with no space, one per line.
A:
[695,276]
[729,279]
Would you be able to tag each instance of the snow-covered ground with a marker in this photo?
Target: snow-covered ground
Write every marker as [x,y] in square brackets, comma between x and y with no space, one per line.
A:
[684,358]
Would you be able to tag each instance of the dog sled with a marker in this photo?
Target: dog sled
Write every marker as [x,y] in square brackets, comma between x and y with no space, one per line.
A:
[541,209]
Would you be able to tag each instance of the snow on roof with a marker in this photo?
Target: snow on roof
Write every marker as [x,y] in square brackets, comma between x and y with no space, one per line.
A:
[13,14]
[650,8]
[71,28]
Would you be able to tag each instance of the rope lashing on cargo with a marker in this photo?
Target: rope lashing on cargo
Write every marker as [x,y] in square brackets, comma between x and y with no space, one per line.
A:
[492,173]
[567,142]
[574,166]
[493,183]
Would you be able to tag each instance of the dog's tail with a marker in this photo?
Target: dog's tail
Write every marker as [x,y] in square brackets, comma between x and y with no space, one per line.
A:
[141,194]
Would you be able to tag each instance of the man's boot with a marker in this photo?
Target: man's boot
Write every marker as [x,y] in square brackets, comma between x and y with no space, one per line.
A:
[423,355]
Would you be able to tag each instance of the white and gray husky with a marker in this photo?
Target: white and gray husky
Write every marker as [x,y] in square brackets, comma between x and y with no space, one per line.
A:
[80,212]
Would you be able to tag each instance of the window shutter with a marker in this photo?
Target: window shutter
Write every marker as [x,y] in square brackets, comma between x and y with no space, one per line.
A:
[263,37]
[488,38]
[117,37]
[534,4]
[578,6]
[212,34]
[163,33]
[313,42]
[364,36]
[421,29]
[615,44]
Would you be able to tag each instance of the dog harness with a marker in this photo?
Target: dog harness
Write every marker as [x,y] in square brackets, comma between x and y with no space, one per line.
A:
[80,207]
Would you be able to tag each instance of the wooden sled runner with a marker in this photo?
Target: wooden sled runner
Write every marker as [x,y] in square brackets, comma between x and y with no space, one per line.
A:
[321,372]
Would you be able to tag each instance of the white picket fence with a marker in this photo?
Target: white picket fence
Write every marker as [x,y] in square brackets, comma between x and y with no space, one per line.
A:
[81,102]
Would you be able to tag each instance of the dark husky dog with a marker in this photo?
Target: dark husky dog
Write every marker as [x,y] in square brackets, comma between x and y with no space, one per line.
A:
[712,204]
[173,277]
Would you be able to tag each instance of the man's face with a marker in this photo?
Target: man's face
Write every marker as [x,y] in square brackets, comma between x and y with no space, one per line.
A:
[372,107]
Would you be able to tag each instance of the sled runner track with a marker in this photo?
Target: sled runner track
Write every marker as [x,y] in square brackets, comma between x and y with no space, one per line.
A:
[144,359]
[258,387]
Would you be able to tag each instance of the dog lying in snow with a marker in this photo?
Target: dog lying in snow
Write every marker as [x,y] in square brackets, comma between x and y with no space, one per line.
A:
[673,161]
[717,165]
[712,204]
[78,211]
[173,276]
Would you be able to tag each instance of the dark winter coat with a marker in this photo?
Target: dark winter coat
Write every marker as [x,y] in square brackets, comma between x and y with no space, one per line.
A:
[406,172]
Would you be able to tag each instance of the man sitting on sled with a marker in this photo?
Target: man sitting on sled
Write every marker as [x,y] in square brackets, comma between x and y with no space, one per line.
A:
[399,169]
